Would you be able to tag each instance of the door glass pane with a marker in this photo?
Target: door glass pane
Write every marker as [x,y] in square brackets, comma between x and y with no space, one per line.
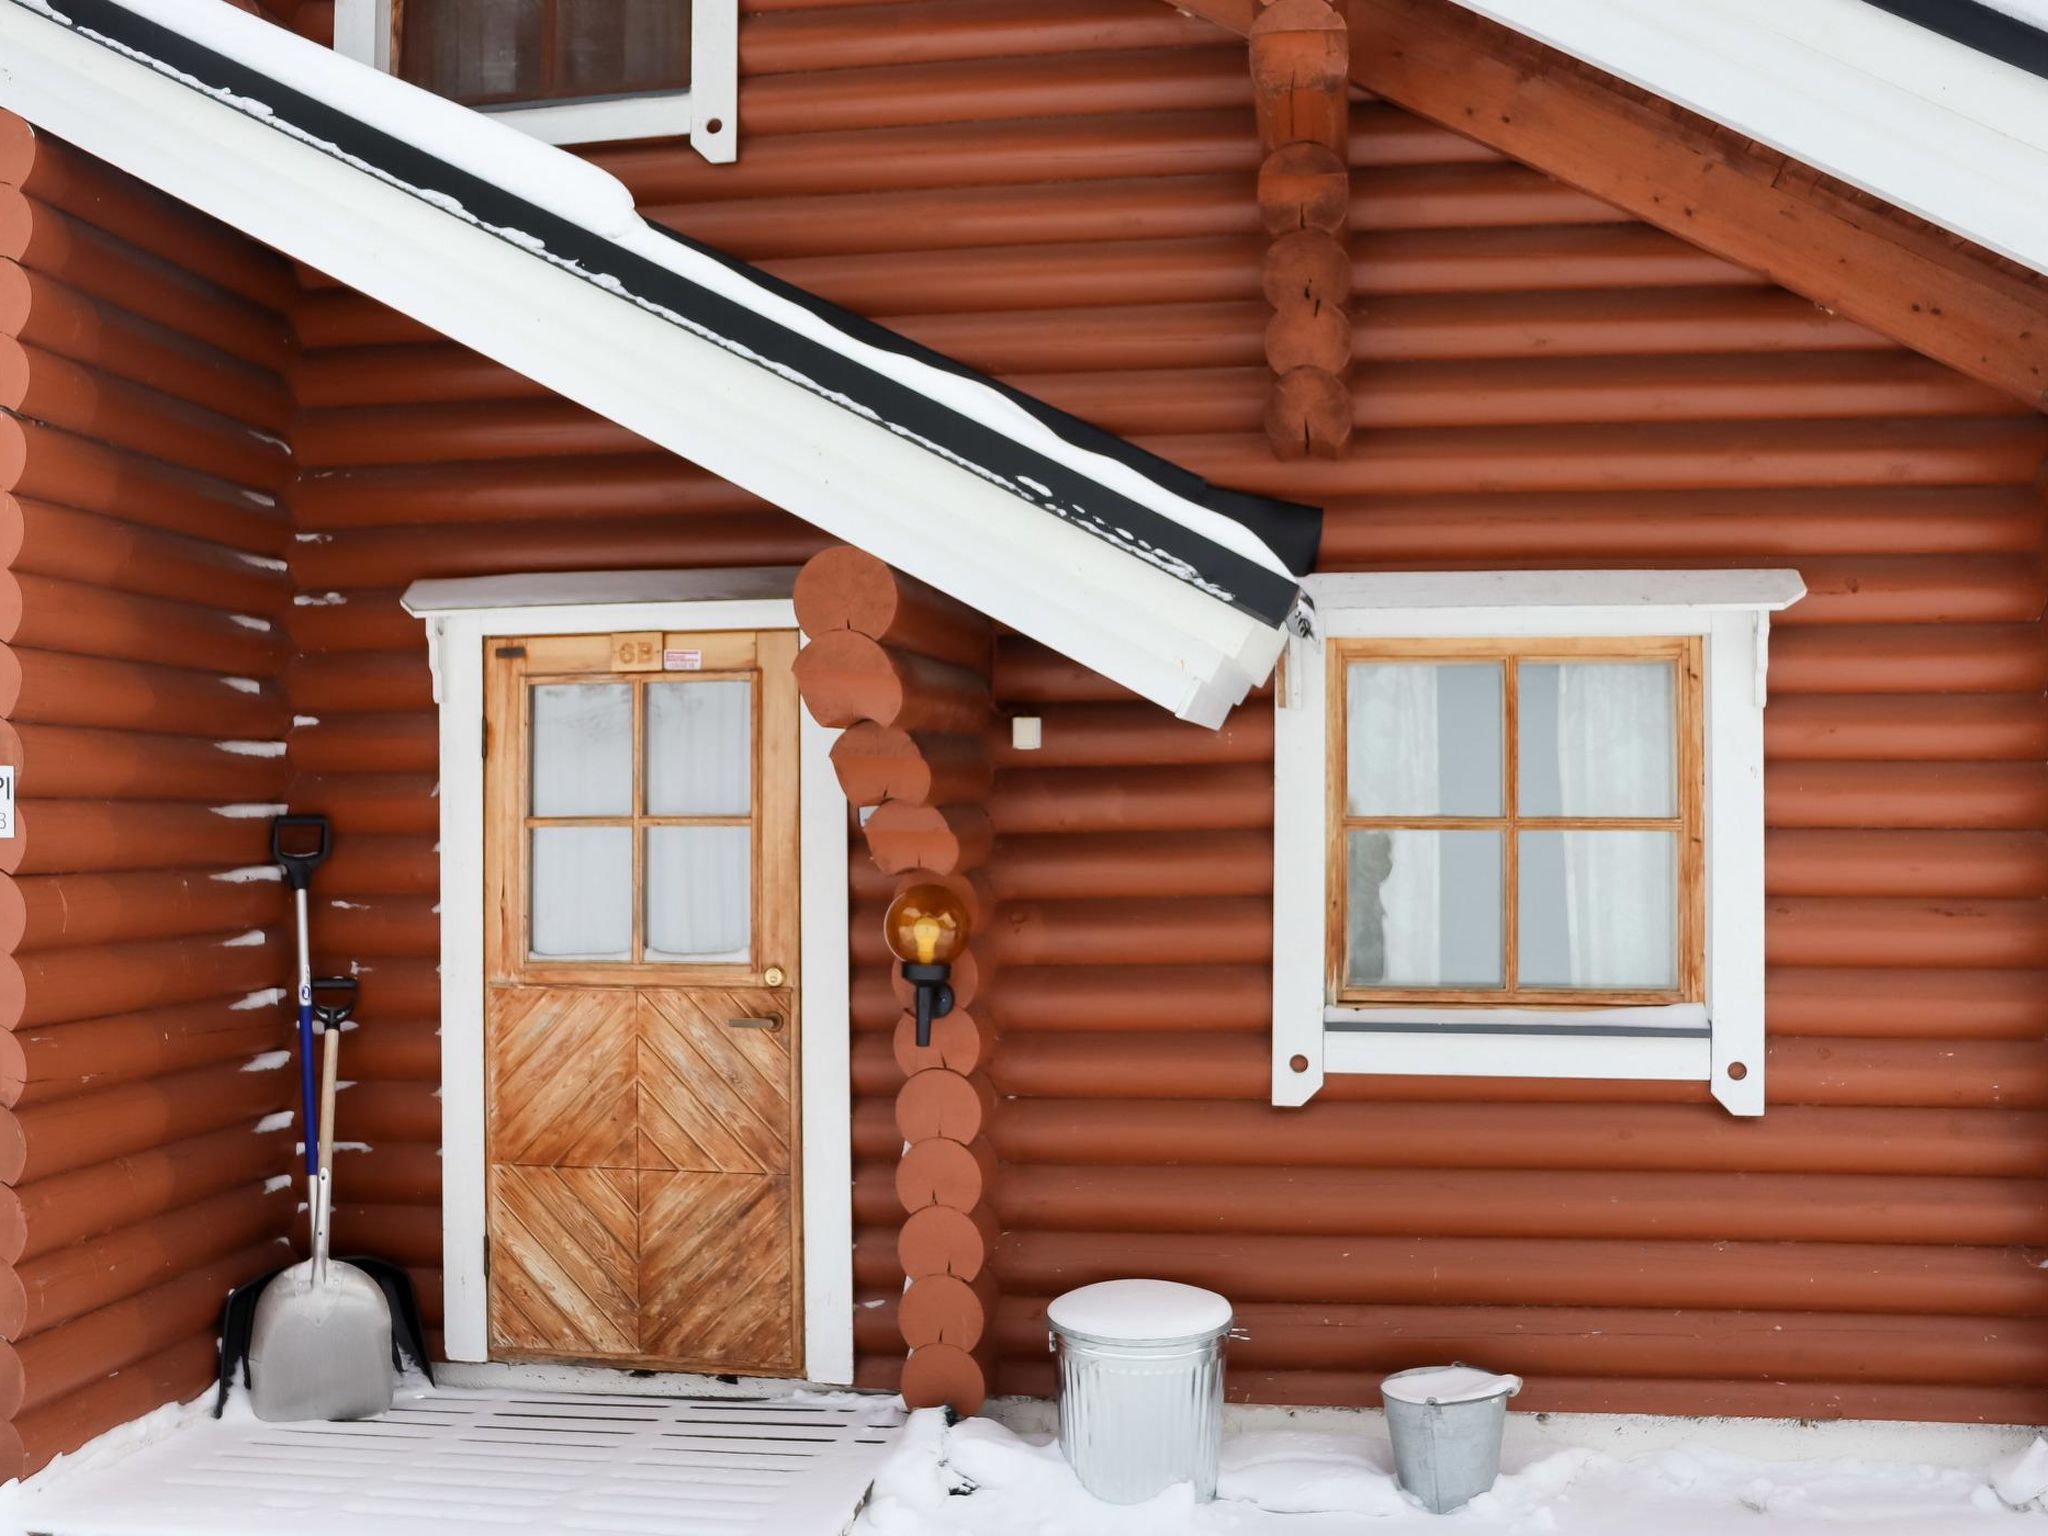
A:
[700,743]
[1423,908]
[583,749]
[699,894]
[473,50]
[1423,739]
[1598,909]
[611,47]
[582,884]
[1598,738]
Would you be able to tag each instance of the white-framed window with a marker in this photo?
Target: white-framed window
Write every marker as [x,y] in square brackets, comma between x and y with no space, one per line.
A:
[565,71]
[1519,828]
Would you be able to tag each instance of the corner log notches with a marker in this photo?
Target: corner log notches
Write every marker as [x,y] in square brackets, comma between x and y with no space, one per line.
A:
[903,672]
[1300,60]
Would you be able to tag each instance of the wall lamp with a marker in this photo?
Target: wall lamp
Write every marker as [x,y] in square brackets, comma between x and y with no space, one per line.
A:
[927,928]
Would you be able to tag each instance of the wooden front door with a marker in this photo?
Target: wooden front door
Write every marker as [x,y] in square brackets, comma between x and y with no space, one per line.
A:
[641,1021]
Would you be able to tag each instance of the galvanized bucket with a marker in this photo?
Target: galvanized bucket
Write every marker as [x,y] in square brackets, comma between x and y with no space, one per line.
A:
[1446,1423]
[1141,1386]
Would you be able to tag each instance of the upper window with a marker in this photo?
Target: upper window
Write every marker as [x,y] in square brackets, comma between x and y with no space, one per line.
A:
[522,52]
[567,71]
[1518,828]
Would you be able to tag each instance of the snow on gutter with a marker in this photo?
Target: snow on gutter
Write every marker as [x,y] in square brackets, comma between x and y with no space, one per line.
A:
[1238,551]
[1917,119]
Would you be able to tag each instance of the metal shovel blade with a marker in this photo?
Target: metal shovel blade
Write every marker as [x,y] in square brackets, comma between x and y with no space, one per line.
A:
[321,1349]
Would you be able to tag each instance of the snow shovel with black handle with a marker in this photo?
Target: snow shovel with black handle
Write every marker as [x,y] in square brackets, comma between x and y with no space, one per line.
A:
[333,1004]
[320,1344]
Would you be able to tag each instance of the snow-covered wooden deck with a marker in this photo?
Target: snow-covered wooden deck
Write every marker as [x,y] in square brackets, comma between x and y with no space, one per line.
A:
[455,1462]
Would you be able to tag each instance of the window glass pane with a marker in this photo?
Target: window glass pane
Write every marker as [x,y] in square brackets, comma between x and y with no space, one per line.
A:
[609,47]
[582,884]
[1598,738]
[700,748]
[473,50]
[1598,909]
[583,749]
[699,894]
[1423,908]
[1423,739]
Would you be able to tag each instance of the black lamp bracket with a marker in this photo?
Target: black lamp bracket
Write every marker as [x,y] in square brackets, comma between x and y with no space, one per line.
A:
[934,996]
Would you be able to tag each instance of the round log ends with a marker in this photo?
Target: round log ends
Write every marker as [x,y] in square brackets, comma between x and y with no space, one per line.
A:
[942,1309]
[1309,412]
[847,588]
[945,1172]
[1309,336]
[1306,265]
[940,1240]
[941,1103]
[944,1376]
[1304,186]
[944,838]
[959,1044]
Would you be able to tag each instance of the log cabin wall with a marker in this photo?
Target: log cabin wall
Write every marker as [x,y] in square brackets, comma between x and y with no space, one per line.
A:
[142,350]
[1063,192]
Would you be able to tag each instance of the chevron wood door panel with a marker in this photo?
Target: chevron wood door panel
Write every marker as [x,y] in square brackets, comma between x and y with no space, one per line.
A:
[716,1081]
[565,1261]
[562,1070]
[642,1030]
[717,1271]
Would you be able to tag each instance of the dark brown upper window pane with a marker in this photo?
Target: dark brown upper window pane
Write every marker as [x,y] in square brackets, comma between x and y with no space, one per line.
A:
[607,47]
[504,52]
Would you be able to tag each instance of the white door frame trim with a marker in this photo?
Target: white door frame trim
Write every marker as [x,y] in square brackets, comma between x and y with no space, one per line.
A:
[455,636]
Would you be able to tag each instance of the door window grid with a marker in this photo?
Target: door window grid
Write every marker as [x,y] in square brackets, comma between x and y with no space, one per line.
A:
[1506,822]
[497,53]
[641,823]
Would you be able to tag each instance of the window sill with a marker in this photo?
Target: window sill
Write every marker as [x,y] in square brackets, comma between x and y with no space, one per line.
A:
[665,116]
[1673,1043]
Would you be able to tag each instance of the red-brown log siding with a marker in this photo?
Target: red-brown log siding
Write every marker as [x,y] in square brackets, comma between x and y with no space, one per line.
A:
[1062,192]
[142,353]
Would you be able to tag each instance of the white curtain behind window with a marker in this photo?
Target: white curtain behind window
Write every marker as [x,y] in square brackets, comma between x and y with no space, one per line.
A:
[1615,742]
[1394,905]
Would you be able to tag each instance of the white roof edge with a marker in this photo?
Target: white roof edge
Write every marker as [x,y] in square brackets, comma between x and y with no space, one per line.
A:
[1925,123]
[1763,590]
[553,589]
[942,520]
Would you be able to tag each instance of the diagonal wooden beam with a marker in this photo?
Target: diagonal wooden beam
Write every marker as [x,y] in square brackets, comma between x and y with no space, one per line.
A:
[1898,274]
[1885,269]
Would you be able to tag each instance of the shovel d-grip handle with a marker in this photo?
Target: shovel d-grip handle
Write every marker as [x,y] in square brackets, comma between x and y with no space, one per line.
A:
[299,845]
[334,1000]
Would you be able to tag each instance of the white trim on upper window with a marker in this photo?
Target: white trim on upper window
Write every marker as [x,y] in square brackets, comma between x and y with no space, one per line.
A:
[705,114]
[460,615]
[1718,1040]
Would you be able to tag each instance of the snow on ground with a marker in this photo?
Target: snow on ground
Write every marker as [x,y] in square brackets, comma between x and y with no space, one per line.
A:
[981,1478]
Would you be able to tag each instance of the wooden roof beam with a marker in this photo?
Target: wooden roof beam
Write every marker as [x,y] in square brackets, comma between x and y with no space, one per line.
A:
[1898,274]
[1886,269]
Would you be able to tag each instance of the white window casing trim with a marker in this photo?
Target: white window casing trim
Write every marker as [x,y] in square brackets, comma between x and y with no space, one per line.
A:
[1730,611]
[704,114]
[460,615]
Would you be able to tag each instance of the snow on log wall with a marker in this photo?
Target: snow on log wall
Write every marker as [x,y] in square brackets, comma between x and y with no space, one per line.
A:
[1062,192]
[142,350]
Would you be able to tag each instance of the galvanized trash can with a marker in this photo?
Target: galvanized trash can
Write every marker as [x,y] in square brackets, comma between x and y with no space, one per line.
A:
[1141,1386]
[1446,1422]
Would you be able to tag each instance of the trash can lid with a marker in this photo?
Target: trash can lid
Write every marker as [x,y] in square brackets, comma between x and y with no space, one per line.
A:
[1139,1309]
[1447,1384]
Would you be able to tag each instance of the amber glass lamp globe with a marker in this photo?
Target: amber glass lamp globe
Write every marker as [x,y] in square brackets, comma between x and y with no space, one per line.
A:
[926,925]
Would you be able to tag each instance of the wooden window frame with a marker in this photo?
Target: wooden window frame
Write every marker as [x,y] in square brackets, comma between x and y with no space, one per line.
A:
[705,114]
[635,660]
[1683,653]
[1717,1040]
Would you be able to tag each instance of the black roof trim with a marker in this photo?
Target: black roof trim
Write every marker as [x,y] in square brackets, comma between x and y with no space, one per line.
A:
[1984,28]
[1292,531]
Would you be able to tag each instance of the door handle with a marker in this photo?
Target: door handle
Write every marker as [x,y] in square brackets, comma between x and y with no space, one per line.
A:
[749,1023]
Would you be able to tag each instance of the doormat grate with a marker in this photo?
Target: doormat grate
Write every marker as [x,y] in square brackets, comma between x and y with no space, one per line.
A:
[452,1462]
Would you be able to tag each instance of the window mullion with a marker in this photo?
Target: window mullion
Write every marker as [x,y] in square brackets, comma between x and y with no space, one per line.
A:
[1510,854]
